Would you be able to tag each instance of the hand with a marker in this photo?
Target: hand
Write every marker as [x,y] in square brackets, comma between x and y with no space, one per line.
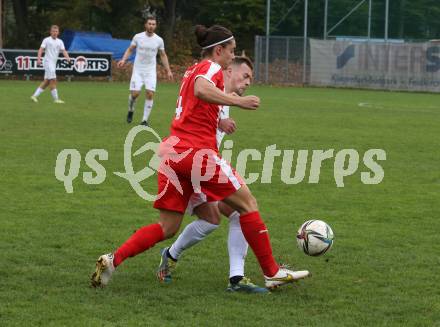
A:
[170,75]
[249,102]
[121,63]
[38,61]
[227,125]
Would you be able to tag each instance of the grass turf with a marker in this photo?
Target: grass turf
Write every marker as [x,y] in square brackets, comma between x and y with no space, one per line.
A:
[381,271]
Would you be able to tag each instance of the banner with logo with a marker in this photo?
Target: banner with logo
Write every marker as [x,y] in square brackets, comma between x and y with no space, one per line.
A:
[21,62]
[394,66]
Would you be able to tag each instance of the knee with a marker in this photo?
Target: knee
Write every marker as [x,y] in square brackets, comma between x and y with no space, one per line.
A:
[149,95]
[208,213]
[135,94]
[215,220]
[169,230]
[251,204]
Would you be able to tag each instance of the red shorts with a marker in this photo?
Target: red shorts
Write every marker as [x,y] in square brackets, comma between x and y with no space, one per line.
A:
[194,172]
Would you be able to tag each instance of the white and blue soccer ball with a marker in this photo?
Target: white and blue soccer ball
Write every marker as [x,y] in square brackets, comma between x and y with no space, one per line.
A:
[315,237]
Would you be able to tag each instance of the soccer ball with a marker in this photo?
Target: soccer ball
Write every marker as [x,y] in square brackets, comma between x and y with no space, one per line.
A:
[315,237]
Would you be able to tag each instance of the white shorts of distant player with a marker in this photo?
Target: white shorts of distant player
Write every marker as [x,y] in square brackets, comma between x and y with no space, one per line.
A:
[49,70]
[139,79]
[195,200]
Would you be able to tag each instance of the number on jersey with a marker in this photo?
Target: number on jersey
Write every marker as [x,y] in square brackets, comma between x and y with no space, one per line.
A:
[179,108]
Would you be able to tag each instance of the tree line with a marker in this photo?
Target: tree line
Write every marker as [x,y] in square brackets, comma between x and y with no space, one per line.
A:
[26,22]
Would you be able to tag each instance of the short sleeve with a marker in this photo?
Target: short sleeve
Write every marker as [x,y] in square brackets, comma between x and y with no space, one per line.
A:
[44,44]
[161,44]
[213,73]
[134,42]
[62,48]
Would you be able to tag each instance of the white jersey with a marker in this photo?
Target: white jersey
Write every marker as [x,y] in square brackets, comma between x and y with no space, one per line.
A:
[52,48]
[146,51]
[224,113]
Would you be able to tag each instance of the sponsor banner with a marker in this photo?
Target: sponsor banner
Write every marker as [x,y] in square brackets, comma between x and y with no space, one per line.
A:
[21,62]
[394,66]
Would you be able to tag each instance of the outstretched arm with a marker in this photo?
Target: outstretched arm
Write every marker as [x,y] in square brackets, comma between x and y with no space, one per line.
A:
[206,91]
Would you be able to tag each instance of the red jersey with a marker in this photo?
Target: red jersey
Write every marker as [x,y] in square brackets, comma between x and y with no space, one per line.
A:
[196,121]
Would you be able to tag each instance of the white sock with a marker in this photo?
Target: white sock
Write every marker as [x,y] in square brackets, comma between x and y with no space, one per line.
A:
[147,109]
[38,91]
[237,246]
[131,102]
[54,93]
[191,235]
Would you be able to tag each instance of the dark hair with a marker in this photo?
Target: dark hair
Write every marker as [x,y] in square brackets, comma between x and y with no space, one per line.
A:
[239,60]
[150,17]
[208,36]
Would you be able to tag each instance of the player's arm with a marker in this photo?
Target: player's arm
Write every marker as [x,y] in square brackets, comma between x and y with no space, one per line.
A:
[207,91]
[165,63]
[126,55]
[39,55]
[66,55]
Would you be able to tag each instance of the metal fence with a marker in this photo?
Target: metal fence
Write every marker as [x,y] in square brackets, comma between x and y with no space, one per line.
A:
[349,62]
[284,63]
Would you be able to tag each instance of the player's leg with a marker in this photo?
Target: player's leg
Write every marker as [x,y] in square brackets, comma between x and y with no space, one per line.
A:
[148,106]
[257,236]
[142,239]
[237,245]
[226,184]
[39,90]
[193,233]
[135,90]
[150,81]
[208,221]
[237,249]
[54,91]
[172,204]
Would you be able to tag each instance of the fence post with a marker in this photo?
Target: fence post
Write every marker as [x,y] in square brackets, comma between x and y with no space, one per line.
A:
[261,52]
[287,59]
[306,14]
[257,58]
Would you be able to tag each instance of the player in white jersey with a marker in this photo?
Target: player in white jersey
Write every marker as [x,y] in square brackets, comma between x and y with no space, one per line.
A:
[237,79]
[51,46]
[147,45]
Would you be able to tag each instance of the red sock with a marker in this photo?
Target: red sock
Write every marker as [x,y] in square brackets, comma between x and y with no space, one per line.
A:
[256,234]
[143,239]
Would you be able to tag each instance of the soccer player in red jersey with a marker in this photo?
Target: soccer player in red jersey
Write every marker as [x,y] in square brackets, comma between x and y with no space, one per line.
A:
[237,78]
[191,164]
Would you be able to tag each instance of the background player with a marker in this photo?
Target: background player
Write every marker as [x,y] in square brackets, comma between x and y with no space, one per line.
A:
[51,46]
[147,45]
[194,128]
[238,77]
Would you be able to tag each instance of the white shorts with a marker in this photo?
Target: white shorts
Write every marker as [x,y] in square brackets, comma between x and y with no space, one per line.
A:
[195,200]
[50,71]
[138,79]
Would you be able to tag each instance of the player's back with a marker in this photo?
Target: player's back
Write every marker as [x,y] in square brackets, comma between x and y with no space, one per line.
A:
[196,121]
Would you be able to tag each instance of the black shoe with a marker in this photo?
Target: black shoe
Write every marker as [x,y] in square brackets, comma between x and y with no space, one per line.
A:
[130,117]
[144,122]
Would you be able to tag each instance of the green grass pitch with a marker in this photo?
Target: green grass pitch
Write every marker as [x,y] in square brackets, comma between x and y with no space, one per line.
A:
[382,270]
